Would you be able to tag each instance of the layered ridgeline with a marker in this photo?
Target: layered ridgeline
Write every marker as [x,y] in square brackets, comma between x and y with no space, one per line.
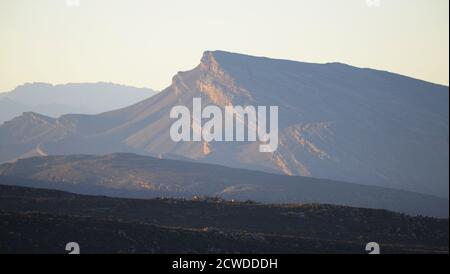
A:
[56,100]
[336,121]
[130,175]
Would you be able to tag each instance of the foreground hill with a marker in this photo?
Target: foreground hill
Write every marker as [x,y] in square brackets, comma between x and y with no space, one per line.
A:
[43,221]
[130,175]
[336,121]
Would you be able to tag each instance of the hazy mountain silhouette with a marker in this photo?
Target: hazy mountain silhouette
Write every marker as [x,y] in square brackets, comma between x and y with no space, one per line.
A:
[336,121]
[56,100]
[130,175]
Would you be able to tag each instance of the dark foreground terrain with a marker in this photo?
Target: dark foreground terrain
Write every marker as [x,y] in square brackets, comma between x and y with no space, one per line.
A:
[43,221]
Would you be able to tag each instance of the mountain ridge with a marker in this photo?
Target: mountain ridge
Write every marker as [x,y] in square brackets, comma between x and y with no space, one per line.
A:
[336,122]
[331,63]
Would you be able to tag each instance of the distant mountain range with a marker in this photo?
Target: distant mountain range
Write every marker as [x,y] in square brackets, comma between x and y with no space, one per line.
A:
[44,221]
[129,175]
[336,122]
[56,100]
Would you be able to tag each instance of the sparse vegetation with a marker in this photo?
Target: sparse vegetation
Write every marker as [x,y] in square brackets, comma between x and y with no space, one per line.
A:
[42,221]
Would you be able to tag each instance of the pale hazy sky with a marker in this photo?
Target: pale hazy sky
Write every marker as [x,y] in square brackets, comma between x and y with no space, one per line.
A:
[145,42]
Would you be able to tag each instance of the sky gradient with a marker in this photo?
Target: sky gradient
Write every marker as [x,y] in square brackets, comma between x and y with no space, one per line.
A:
[145,42]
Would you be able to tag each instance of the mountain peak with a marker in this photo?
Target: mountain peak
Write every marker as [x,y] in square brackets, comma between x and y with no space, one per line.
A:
[36,116]
[219,59]
[208,78]
[209,62]
[319,133]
